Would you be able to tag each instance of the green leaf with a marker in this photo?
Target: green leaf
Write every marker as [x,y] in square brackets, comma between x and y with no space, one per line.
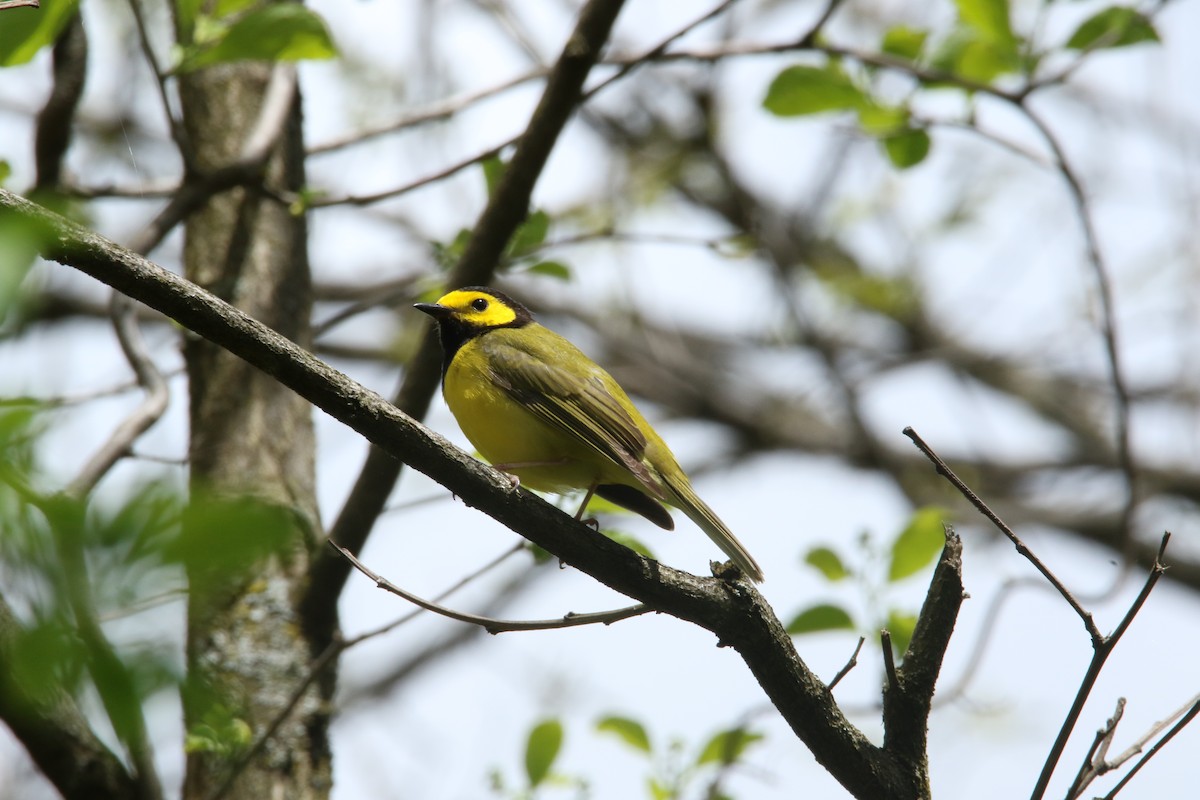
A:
[226,540]
[905,42]
[628,730]
[25,31]
[881,120]
[658,790]
[901,625]
[918,544]
[990,18]
[551,269]
[727,747]
[907,148]
[220,731]
[447,255]
[801,90]
[493,168]
[966,54]
[822,617]
[45,659]
[1115,26]
[278,32]
[542,748]
[530,235]
[827,562]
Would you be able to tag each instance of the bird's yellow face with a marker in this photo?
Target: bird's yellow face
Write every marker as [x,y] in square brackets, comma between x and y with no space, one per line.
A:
[474,308]
[466,313]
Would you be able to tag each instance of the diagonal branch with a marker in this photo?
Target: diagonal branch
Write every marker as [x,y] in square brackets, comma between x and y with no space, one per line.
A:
[734,612]
[1029,555]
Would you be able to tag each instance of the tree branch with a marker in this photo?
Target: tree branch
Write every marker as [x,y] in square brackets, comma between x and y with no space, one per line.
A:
[1088,621]
[906,705]
[55,732]
[54,121]
[734,611]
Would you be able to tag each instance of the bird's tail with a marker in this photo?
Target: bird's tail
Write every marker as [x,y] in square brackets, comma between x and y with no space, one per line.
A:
[686,499]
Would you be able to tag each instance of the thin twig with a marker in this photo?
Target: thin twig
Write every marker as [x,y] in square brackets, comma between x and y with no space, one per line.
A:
[151,409]
[1154,730]
[568,620]
[5,5]
[438,111]
[1093,764]
[626,66]
[1159,745]
[1102,649]
[982,507]
[440,175]
[851,664]
[178,133]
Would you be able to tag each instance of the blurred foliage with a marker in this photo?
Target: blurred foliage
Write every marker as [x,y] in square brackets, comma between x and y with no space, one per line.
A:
[242,31]
[25,31]
[521,252]
[676,771]
[873,572]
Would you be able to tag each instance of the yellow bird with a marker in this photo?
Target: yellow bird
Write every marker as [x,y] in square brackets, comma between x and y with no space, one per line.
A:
[537,408]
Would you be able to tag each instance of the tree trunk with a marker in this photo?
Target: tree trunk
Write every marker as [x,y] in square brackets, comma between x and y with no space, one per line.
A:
[250,438]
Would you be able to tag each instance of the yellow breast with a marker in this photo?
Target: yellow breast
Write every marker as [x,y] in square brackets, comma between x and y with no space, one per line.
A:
[513,439]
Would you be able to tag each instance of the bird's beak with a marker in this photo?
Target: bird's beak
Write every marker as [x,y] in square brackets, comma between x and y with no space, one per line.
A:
[434,310]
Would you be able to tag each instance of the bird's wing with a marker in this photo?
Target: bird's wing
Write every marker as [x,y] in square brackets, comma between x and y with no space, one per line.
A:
[575,399]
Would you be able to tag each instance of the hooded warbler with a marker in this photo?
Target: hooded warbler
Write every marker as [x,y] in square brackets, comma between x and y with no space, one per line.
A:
[537,408]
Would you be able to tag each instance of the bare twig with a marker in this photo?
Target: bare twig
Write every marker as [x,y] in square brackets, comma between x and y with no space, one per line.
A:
[627,65]
[5,5]
[1159,745]
[1102,649]
[1154,730]
[153,406]
[438,111]
[982,507]
[178,133]
[851,664]
[568,620]
[1093,762]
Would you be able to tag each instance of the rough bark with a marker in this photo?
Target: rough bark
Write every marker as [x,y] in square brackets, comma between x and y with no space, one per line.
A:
[250,437]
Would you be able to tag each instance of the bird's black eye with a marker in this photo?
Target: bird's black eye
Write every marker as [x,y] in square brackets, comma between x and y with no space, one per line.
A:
[479,304]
